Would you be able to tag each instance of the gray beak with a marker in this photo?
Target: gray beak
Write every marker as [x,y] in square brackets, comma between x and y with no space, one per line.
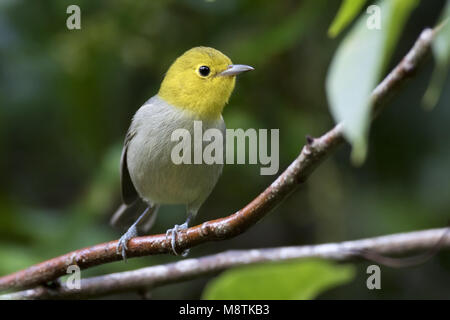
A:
[235,69]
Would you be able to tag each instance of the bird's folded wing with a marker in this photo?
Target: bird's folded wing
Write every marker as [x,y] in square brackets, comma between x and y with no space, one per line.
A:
[129,193]
[127,211]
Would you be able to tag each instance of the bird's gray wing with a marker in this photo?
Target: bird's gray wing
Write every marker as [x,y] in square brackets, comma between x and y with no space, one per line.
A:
[130,198]
[129,193]
[133,205]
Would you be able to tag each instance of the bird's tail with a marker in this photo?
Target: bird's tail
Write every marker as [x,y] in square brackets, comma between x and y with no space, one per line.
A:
[126,215]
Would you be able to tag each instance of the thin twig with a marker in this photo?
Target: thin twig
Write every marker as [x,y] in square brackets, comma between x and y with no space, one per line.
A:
[312,154]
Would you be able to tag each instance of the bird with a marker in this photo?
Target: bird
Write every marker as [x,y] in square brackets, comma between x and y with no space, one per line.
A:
[196,87]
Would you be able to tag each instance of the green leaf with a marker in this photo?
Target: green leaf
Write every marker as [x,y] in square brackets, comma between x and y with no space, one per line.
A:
[357,67]
[293,280]
[347,12]
[441,52]
[399,12]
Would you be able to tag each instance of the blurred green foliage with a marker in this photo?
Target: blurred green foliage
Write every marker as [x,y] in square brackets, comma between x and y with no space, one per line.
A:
[279,281]
[368,46]
[348,10]
[67,97]
[441,52]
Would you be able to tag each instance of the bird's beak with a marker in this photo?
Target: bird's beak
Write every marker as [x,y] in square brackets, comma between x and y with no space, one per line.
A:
[235,69]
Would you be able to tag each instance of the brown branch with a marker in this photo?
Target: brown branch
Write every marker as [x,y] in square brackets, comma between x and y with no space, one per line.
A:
[155,276]
[312,154]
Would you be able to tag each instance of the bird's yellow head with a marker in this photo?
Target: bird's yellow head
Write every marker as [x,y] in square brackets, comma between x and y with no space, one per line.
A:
[201,81]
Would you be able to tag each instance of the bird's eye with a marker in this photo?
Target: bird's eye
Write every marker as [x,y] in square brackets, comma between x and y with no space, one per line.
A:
[204,71]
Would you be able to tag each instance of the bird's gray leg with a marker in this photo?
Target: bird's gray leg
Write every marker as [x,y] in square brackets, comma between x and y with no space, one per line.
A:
[174,232]
[131,233]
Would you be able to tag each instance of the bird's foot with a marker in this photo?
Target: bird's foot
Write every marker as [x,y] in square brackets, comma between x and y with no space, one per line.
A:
[123,241]
[173,233]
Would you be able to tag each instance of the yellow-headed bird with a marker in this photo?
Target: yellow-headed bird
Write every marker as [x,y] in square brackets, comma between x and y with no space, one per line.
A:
[196,88]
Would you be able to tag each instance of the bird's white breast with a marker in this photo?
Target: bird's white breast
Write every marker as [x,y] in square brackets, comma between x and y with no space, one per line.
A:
[156,178]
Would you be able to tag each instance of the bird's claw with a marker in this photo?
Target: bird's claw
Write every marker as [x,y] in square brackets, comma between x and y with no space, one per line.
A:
[123,242]
[173,234]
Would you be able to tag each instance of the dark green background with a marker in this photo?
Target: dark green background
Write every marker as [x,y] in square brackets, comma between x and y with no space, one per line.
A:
[67,97]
